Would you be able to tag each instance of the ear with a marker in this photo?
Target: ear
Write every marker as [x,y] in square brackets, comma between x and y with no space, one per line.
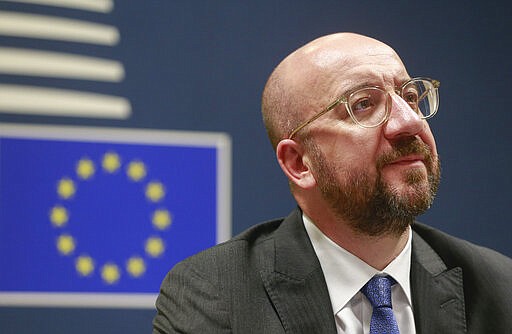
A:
[290,156]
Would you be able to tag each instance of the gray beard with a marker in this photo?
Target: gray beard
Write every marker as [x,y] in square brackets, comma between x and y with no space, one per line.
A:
[373,208]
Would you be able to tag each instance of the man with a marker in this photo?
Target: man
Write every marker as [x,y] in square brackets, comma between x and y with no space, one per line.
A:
[349,127]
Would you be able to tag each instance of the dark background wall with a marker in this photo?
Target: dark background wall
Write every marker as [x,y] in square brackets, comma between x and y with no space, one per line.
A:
[201,65]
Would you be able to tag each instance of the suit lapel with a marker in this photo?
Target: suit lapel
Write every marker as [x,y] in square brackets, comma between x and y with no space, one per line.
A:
[296,286]
[437,293]
[295,282]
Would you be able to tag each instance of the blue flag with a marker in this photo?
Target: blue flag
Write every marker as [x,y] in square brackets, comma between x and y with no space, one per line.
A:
[106,212]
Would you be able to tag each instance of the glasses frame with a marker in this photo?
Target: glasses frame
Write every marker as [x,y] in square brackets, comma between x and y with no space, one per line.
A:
[344,99]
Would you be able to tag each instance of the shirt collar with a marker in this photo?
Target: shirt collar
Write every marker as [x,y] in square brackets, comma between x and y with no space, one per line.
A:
[345,274]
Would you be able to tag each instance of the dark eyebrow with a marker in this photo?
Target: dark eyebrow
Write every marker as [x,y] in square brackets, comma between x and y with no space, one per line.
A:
[368,84]
[352,89]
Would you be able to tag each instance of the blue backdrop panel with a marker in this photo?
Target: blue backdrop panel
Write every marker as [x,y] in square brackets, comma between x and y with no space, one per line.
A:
[94,216]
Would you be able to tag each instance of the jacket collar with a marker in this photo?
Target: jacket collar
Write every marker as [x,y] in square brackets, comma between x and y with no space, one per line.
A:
[437,292]
[296,284]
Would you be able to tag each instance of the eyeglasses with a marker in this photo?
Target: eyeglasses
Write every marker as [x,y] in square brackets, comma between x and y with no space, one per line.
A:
[370,106]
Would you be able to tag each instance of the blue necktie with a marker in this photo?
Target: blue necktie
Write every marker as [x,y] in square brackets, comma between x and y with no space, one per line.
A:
[378,292]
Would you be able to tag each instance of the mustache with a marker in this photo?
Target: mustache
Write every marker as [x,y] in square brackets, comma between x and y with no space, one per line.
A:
[403,148]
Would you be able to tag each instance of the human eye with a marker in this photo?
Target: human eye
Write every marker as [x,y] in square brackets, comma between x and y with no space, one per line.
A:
[365,101]
[411,95]
[362,104]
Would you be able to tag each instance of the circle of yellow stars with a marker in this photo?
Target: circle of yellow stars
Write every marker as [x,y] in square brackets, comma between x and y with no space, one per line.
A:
[161,219]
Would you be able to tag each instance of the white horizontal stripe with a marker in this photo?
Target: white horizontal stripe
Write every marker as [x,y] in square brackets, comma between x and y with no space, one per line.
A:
[99,300]
[61,102]
[56,28]
[117,135]
[60,65]
[102,6]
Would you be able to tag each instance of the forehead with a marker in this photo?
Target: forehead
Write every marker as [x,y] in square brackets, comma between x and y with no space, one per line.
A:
[344,66]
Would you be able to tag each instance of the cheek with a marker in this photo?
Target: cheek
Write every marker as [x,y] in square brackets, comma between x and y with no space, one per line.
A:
[359,153]
[351,148]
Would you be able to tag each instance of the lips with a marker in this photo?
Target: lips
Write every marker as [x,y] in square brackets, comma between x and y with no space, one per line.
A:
[410,152]
[409,159]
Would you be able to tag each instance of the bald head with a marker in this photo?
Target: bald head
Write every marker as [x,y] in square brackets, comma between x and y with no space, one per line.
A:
[307,80]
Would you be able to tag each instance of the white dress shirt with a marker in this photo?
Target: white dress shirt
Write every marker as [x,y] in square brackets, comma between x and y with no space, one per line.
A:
[345,274]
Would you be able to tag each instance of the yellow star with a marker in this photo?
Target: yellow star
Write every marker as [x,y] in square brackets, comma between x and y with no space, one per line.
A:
[65,244]
[136,170]
[110,273]
[161,219]
[84,265]
[111,162]
[85,168]
[155,191]
[66,188]
[59,216]
[154,246]
[135,266]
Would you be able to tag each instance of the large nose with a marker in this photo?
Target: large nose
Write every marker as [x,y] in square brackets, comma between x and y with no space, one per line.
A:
[402,121]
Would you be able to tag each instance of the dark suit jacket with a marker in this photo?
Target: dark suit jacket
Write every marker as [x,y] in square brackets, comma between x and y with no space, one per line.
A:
[269,280]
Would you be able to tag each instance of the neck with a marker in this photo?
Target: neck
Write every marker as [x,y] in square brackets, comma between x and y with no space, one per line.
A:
[376,251]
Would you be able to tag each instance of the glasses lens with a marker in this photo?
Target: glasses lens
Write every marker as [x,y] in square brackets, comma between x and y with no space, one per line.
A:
[422,96]
[368,106]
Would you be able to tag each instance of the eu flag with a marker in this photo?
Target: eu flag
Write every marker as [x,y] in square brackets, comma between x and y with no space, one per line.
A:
[105,212]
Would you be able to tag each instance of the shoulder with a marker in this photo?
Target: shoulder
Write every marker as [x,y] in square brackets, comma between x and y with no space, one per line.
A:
[251,248]
[249,253]
[253,238]
[486,277]
[198,294]
[458,252]
[481,266]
